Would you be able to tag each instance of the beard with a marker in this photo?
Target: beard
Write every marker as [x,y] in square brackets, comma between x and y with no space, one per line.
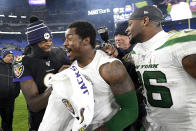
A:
[39,53]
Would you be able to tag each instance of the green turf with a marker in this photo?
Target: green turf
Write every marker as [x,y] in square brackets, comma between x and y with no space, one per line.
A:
[20,122]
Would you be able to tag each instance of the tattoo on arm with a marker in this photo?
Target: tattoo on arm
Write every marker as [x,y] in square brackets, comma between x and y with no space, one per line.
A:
[116,76]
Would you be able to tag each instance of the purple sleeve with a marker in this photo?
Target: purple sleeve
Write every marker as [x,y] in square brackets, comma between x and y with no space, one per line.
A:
[21,79]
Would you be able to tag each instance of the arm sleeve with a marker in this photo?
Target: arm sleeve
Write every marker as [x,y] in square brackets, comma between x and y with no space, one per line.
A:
[128,113]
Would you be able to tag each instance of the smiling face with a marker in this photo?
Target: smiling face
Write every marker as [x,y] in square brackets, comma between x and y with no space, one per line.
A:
[73,44]
[45,45]
[122,41]
[135,29]
[8,58]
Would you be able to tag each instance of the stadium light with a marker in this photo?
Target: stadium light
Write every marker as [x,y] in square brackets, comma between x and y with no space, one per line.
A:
[12,16]
[2,15]
[58,32]
[1,32]
[23,17]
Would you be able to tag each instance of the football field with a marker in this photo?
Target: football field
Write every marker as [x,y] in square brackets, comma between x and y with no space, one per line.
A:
[20,122]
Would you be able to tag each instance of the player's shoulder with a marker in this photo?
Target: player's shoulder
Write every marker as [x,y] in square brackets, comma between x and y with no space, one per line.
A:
[18,66]
[22,61]
[104,56]
[19,59]
[182,33]
[113,66]
[59,54]
[57,50]
[179,38]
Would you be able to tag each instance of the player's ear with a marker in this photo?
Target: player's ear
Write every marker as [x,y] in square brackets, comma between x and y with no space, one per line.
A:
[146,20]
[86,40]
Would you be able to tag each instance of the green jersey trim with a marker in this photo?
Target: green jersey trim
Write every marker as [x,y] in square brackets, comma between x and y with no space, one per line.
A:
[180,37]
[133,52]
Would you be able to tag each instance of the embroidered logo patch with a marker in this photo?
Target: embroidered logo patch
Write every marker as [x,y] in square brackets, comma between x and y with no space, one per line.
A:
[47,80]
[82,114]
[82,128]
[48,63]
[18,70]
[46,36]
[19,58]
[68,105]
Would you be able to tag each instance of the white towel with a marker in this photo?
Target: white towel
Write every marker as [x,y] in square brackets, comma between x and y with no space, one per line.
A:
[71,104]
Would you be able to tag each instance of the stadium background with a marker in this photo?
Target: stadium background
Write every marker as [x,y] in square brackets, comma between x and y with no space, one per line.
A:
[58,14]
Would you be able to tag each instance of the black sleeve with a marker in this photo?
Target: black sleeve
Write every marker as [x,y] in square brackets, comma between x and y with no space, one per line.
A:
[16,89]
[22,71]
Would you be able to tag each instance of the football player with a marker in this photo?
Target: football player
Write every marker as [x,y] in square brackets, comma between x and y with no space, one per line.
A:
[165,63]
[31,70]
[115,101]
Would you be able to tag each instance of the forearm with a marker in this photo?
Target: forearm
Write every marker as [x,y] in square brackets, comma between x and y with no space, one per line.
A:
[128,113]
[39,102]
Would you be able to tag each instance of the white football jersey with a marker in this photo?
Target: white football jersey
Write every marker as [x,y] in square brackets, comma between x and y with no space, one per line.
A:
[169,90]
[105,104]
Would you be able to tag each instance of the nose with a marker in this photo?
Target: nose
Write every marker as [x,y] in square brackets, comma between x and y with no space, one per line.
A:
[49,43]
[117,42]
[11,59]
[127,30]
[65,43]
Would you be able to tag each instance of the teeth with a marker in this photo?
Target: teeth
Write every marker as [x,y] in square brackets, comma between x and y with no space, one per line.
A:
[67,50]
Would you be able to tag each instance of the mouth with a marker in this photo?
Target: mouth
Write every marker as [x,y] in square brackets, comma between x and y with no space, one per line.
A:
[47,49]
[68,51]
[130,36]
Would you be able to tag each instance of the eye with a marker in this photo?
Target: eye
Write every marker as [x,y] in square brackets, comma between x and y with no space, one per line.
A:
[69,39]
[129,23]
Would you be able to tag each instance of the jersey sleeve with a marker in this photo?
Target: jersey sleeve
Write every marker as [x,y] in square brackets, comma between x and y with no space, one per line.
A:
[184,50]
[181,44]
[21,70]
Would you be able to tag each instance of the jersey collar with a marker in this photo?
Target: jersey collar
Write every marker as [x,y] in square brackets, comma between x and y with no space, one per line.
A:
[155,41]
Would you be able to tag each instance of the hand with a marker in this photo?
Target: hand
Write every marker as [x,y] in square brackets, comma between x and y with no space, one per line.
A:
[110,50]
[63,67]
[102,128]
[48,89]
[128,58]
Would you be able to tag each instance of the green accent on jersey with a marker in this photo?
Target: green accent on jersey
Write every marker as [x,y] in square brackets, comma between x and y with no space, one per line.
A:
[142,128]
[137,66]
[165,100]
[180,37]
[133,52]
